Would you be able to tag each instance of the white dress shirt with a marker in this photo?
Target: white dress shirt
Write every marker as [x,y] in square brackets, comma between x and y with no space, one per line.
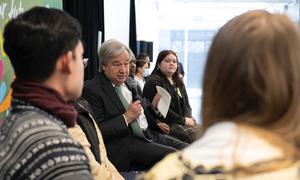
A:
[142,120]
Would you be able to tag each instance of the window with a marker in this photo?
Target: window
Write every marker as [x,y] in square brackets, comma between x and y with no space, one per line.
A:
[188,26]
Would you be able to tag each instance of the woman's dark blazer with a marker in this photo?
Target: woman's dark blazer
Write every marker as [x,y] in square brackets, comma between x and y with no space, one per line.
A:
[177,111]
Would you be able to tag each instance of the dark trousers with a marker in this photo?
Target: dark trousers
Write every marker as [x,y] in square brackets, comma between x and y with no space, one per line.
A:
[145,154]
[164,139]
[185,133]
[136,154]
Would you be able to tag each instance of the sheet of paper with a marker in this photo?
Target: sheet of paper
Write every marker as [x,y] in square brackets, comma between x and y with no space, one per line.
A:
[164,102]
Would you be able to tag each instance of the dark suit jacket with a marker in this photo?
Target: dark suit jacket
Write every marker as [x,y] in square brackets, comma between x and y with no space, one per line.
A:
[108,110]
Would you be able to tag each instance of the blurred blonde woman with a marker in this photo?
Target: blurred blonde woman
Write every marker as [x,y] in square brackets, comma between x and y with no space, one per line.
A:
[251,105]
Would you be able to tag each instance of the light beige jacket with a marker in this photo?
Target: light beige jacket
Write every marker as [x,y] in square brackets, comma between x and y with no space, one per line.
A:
[103,171]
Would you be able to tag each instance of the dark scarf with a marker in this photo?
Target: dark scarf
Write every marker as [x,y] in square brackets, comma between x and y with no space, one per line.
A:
[46,99]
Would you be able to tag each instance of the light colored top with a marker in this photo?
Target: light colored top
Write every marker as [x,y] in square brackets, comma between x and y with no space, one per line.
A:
[128,96]
[141,82]
[103,171]
[225,145]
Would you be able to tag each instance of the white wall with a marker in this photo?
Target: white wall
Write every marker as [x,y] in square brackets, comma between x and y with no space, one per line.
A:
[147,24]
[116,19]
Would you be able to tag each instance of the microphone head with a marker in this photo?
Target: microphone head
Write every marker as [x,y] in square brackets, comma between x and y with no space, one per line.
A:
[133,84]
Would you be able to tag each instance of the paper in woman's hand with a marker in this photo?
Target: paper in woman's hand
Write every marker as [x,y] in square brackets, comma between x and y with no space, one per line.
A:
[164,102]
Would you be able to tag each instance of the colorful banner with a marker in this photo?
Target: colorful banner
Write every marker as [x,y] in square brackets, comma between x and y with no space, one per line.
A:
[10,9]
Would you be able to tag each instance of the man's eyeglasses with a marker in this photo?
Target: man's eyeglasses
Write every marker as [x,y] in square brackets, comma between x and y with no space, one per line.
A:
[85,61]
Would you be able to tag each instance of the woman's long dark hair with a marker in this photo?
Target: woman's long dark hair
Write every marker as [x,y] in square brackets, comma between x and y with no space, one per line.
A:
[161,56]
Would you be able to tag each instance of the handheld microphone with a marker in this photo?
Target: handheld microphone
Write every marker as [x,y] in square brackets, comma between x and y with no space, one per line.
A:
[133,84]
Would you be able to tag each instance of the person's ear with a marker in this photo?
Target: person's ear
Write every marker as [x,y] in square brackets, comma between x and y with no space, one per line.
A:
[139,69]
[65,62]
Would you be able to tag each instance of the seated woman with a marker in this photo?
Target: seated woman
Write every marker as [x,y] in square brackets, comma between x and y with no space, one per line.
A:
[144,57]
[251,105]
[142,68]
[87,133]
[179,116]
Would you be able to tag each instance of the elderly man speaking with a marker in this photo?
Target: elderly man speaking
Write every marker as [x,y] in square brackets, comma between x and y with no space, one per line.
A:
[128,123]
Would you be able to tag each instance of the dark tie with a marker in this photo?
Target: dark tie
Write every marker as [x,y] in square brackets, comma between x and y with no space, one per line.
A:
[136,129]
